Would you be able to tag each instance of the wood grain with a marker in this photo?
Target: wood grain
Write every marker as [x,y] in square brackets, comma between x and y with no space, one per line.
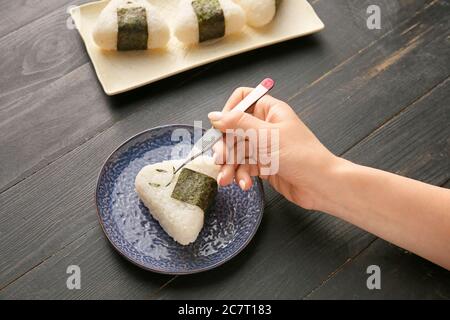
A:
[341,89]
[57,206]
[87,252]
[54,55]
[33,57]
[369,85]
[404,275]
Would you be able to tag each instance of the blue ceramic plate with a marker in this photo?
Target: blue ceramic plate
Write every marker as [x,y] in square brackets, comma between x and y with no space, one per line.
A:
[229,226]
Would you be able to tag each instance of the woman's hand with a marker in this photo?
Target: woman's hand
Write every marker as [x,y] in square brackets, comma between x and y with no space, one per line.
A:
[302,161]
[408,213]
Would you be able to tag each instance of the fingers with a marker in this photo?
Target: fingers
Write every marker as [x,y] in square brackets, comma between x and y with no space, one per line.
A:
[235,120]
[254,170]
[267,108]
[219,152]
[259,109]
[243,177]
[235,165]
[230,173]
[235,150]
[266,113]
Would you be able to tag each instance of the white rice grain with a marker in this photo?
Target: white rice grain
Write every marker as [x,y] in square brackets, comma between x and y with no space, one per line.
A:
[234,17]
[186,24]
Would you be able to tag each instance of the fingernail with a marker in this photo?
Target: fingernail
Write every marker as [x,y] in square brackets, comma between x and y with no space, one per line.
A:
[219,177]
[215,116]
[242,184]
[215,155]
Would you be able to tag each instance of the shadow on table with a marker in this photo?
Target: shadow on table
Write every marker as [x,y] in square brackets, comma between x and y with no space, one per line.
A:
[218,70]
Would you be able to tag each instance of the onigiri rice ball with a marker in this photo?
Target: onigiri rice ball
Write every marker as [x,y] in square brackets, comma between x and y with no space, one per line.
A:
[105,31]
[181,220]
[186,26]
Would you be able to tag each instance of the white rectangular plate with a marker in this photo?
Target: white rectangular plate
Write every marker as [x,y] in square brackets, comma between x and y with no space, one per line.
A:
[122,71]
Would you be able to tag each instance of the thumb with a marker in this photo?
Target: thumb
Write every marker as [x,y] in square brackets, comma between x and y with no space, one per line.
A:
[235,120]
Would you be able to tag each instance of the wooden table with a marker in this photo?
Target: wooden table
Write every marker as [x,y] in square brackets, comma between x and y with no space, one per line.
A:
[377,97]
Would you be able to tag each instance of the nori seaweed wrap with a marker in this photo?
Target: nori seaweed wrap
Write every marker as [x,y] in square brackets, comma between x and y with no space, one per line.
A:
[195,188]
[211,20]
[132,29]
[198,21]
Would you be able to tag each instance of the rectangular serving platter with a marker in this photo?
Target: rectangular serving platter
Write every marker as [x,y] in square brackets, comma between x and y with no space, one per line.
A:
[123,71]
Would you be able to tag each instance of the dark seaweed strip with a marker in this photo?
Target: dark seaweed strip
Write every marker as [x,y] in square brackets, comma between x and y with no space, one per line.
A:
[211,20]
[195,188]
[132,29]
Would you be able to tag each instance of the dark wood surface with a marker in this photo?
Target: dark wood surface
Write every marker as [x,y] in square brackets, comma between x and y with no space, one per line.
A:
[377,97]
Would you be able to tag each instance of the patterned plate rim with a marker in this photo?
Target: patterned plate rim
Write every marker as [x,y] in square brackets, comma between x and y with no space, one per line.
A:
[161,271]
